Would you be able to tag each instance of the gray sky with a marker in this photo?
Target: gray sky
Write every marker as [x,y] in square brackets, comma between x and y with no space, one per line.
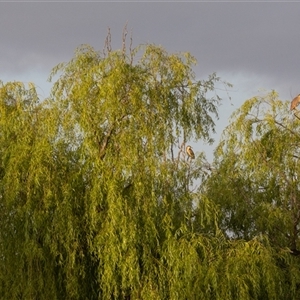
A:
[252,44]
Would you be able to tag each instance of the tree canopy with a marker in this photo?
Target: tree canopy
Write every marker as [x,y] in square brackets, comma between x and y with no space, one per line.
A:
[254,182]
[97,193]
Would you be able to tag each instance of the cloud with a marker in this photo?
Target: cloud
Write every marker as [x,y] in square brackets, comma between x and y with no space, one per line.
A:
[253,37]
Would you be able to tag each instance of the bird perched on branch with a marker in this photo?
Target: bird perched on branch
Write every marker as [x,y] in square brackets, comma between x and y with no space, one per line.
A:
[295,102]
[190,152]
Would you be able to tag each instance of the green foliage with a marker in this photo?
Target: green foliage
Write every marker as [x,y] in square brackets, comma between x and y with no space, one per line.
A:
[96,191]
[255,179]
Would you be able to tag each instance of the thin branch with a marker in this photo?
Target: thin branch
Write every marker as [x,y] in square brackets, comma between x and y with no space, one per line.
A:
[105,143]
[278,123]
[107,137]
[107,44]
[130,49]
[172,153]
[283,126]
[124,34]
[296,116]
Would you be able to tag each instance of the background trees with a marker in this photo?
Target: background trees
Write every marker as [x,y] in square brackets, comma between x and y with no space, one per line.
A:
[255,181]
[96,197]
[260,154]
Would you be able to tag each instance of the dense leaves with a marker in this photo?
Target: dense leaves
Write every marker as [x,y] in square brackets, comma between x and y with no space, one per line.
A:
[255,179]
[97,195]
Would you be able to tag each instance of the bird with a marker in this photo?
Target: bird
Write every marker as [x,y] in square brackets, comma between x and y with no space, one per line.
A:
[190,152]
[295,102]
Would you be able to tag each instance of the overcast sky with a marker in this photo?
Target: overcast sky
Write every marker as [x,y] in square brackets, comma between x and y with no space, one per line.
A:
[252,44]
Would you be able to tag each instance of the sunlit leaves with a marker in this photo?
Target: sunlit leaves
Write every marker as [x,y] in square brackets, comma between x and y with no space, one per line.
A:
[255,180]
[99,201]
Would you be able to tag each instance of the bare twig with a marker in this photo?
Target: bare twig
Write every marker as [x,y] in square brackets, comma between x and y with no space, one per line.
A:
[124,39]
[296,116]
[130,48]
[107,44]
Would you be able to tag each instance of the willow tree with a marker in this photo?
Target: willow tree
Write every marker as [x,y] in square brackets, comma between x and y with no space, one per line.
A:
[255,181]
[127,119]
[96,189]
